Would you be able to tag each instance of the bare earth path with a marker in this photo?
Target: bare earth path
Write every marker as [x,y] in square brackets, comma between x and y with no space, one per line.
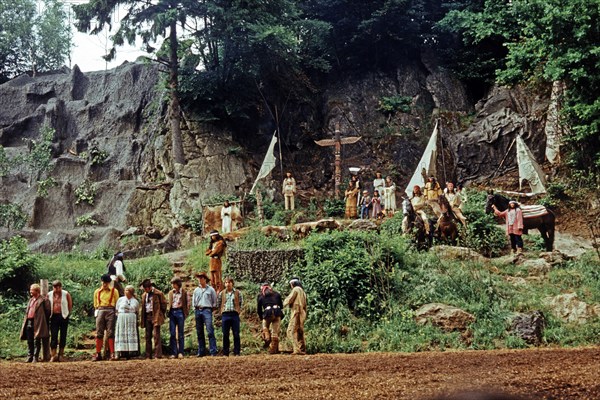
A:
[535,374]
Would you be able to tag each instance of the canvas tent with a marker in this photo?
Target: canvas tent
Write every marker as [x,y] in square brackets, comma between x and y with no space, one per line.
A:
[426,166]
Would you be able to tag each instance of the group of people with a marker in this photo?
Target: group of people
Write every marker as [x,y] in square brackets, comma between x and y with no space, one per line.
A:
[429,195]
[119,313]
[361,204]
[45,323]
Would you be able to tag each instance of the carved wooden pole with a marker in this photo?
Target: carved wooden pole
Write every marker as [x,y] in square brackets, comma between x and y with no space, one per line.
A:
[338,160]
[337,143]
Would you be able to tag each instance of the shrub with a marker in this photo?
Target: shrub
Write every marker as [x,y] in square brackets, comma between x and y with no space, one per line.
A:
[97,156]
[193,221]
[334,207]
[393,226]
[255,239]
[482,234]
[86,192]
[12,216]
[393,104]
[18,266]
[44,185]
[350,269]
[86,220]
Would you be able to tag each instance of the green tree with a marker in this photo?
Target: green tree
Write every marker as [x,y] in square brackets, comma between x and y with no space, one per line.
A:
[244,49]
[546,41]
[32,40]
[149,21]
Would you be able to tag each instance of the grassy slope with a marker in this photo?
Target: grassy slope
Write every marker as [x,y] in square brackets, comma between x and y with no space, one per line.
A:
[479,288]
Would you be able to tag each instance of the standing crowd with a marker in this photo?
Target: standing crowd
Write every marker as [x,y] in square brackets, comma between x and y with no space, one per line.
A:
[119,314]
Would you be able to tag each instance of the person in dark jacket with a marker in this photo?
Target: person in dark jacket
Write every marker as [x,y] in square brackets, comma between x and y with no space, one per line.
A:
[35,324]
[270,311]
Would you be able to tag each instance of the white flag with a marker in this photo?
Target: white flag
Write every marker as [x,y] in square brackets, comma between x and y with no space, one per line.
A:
[268,164]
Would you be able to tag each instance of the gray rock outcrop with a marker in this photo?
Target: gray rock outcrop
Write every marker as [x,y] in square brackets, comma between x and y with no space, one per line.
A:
[119,113]
[569,308]
[529,327]
[457,253]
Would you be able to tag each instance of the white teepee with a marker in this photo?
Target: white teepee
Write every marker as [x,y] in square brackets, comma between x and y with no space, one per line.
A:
[529,169]
[426,166]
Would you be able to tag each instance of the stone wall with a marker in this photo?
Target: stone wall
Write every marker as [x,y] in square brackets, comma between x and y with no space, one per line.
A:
[262,265]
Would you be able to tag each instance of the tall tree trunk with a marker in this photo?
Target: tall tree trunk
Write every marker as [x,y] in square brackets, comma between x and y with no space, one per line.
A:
[175,117]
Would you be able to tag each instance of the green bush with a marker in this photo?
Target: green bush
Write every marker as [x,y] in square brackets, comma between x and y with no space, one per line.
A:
[18,266]
[193,221]
[350,269]
[334,207]
[393,104]
[12,216]
[393,226]
[482,233]
[86,192]
[255,239]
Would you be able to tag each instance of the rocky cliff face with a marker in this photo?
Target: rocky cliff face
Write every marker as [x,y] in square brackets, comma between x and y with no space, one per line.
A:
[122,112]
[118,112]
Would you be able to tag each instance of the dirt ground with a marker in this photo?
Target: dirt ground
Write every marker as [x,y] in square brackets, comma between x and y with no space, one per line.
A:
[530,374]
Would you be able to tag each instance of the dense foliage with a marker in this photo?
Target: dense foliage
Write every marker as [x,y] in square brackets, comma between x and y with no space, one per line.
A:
[363,291]
[546,41]
[18,266]
[32,39]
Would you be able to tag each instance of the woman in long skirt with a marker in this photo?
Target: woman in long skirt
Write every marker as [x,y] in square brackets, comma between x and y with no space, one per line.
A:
[126,332]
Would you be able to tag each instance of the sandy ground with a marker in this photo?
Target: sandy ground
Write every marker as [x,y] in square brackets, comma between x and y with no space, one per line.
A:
[531,374]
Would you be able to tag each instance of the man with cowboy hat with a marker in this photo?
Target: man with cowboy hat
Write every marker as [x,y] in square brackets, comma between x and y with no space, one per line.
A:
[204,302]
[154,306]
[216,250]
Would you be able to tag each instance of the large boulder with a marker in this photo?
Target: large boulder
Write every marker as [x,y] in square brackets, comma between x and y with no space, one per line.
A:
[362,225]
[529,326]
[537,267]
[305,228]
[457,253]
[449,318]
[569,308]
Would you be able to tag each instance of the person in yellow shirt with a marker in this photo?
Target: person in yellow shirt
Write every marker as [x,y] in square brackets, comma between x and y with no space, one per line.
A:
[105,300]
[432,189]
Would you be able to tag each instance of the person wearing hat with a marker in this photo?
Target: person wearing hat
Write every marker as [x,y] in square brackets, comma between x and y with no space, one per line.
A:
[514,225]
[270,311]
[154,306]
[116,270]
[296,300]
[204,302]
[35,324]
[216,250]
[365,203]
[289,190]
[61,305]
[105,300]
